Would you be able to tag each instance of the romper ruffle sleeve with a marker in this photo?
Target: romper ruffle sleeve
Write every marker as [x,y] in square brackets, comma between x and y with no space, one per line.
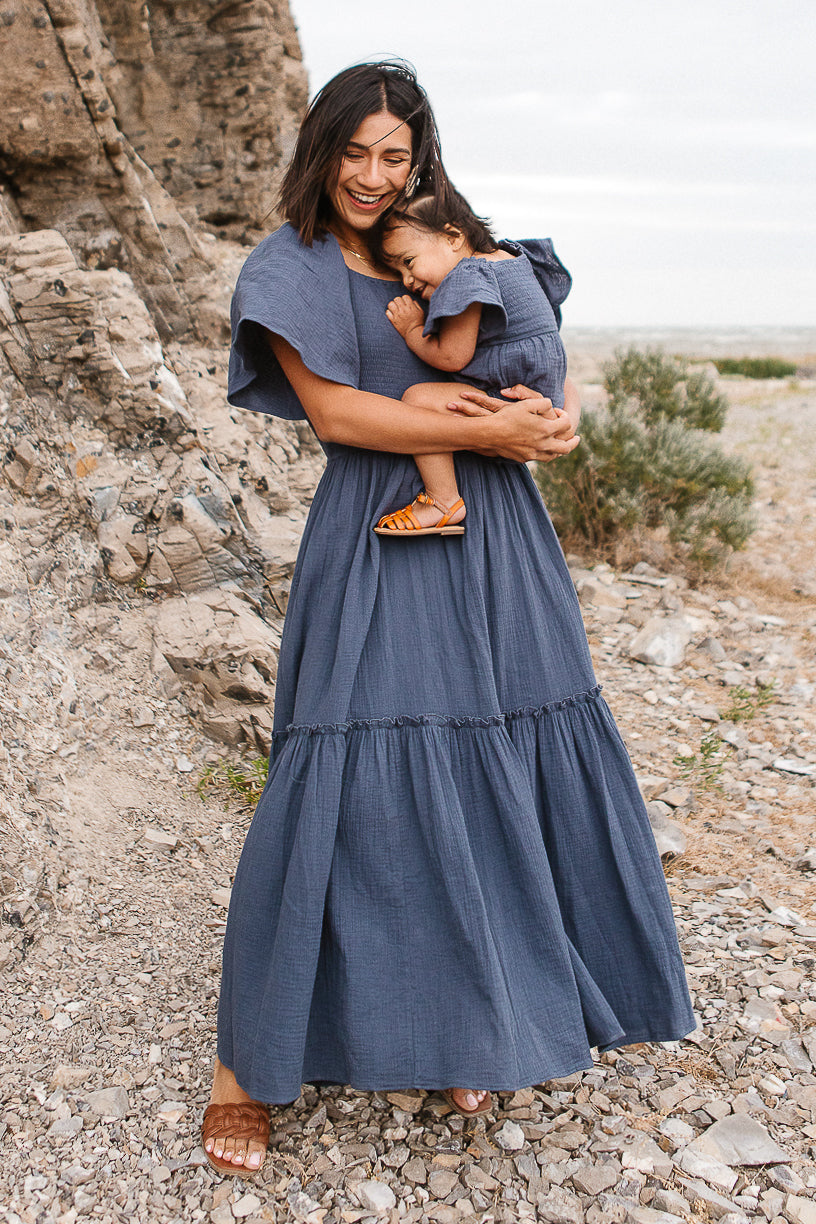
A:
[472,280]
[549,271]
[300,293]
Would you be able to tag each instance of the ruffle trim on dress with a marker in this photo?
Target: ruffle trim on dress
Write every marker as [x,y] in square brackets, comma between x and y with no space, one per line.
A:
[437,720]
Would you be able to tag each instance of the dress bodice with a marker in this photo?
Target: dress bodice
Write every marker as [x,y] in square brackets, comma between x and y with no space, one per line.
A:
[387,365]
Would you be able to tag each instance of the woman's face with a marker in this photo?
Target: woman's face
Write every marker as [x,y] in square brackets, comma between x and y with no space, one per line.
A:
[373,171]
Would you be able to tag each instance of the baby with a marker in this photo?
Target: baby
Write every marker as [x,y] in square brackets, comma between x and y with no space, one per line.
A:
[493,316]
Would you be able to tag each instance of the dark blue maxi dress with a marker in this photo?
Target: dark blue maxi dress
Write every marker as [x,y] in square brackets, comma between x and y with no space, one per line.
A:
[450,878]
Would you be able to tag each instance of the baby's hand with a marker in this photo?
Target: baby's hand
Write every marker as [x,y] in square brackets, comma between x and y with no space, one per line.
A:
[405,314]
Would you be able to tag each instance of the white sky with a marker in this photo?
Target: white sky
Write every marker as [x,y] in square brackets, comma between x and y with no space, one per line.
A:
[669,151]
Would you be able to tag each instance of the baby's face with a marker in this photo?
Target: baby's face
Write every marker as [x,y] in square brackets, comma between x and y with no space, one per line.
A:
[422,259]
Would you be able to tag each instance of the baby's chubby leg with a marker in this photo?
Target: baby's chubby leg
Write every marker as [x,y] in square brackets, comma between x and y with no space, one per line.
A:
[437,471]
[438,476]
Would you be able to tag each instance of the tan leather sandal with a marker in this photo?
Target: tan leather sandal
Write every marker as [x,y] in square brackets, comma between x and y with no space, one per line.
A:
[405,523]
[235,1120]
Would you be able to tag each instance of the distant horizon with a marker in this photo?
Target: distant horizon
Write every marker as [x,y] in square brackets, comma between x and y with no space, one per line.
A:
[715,340]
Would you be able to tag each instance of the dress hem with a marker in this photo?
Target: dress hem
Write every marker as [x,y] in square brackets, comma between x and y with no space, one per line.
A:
[570,1067]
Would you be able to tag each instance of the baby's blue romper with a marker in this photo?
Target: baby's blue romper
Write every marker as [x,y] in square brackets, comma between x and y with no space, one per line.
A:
[450,878]
[518,339]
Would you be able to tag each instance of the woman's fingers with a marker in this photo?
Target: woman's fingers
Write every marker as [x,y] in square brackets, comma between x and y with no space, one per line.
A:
[520,392]
[481,399]
[468,409]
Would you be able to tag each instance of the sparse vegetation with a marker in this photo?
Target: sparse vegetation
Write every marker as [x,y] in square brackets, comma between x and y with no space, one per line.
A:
[646,461]
[703,768]
[242,784]
[746,703]
[756,367]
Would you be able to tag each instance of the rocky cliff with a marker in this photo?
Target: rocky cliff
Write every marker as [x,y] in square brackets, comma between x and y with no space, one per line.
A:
[140,153]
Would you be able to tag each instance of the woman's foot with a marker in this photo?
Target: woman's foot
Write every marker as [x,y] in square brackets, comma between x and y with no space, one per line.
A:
[468,1101]
[425,515]
[233,1149]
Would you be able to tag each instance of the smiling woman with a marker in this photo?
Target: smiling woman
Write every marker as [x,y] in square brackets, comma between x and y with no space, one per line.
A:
[450,878]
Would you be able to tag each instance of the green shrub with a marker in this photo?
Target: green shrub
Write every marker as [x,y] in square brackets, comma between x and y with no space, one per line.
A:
[641,465]
[661,387]
[756,367]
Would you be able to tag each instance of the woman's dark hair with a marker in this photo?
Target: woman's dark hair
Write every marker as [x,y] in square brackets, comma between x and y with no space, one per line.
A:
[437,216]
[332,119]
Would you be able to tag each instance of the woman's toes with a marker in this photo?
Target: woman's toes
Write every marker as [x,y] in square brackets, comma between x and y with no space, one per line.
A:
[239,1152]
[473,1099]
[254,1156]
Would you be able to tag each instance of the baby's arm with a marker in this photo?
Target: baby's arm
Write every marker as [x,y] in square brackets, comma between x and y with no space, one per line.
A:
[454,344]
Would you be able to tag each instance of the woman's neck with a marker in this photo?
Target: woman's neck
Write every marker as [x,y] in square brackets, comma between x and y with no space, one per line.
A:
[356,252]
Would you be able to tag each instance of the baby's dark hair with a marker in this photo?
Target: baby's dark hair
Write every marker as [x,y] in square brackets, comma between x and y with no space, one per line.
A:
[436,214]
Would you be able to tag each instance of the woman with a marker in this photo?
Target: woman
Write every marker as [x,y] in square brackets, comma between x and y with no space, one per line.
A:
[450,877]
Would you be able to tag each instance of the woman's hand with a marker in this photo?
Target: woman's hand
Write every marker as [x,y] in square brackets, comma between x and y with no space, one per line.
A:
[527,426]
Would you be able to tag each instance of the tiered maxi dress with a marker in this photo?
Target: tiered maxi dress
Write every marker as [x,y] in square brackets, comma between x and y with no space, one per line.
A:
[450,878]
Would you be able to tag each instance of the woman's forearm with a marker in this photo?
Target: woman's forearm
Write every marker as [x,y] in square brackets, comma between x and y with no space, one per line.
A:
[360,418]
[374,422]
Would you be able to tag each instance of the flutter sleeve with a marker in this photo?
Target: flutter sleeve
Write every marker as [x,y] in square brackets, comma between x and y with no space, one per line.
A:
[302,294]
[472,280]
[549,271]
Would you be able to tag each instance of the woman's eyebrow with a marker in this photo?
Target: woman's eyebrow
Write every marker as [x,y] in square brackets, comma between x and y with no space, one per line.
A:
[354,144]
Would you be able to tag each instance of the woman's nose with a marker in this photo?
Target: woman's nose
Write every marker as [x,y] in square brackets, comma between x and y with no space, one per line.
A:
[372,174]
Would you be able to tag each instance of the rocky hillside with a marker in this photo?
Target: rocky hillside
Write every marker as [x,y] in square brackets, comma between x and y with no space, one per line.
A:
[139,148]
[140,154]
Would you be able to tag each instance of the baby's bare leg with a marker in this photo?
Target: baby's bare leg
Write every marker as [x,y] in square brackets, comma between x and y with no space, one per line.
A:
[437,471]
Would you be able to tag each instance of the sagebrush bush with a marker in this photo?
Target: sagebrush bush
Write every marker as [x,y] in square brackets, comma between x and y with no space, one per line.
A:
[647,461]
[660,387]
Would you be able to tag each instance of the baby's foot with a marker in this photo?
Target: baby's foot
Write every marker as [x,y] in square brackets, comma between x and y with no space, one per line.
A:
[425,515]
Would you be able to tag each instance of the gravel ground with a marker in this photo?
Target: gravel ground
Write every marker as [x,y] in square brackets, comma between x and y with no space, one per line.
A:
[116,874]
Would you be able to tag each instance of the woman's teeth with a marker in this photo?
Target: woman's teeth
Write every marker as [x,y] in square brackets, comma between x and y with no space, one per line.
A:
[364,199]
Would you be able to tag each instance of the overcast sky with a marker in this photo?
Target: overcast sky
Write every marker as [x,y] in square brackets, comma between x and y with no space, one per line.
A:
[669,151]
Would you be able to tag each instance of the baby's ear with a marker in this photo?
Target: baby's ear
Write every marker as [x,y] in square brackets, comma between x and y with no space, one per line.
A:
[454,236]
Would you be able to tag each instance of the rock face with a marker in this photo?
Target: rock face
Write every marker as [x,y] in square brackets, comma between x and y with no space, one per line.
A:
[135,144]
[123,127]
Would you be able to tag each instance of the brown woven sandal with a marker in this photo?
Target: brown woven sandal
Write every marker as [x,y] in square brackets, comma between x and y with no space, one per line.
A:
[485,1107]
[238,1120]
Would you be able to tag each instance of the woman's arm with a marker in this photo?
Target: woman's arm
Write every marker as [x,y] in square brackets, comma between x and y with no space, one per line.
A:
[343,414]
[454,344]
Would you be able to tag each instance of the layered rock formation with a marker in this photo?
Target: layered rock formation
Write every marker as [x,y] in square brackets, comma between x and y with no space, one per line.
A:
[136,146]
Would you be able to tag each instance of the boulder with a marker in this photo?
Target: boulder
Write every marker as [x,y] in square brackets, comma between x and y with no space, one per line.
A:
[662,641]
